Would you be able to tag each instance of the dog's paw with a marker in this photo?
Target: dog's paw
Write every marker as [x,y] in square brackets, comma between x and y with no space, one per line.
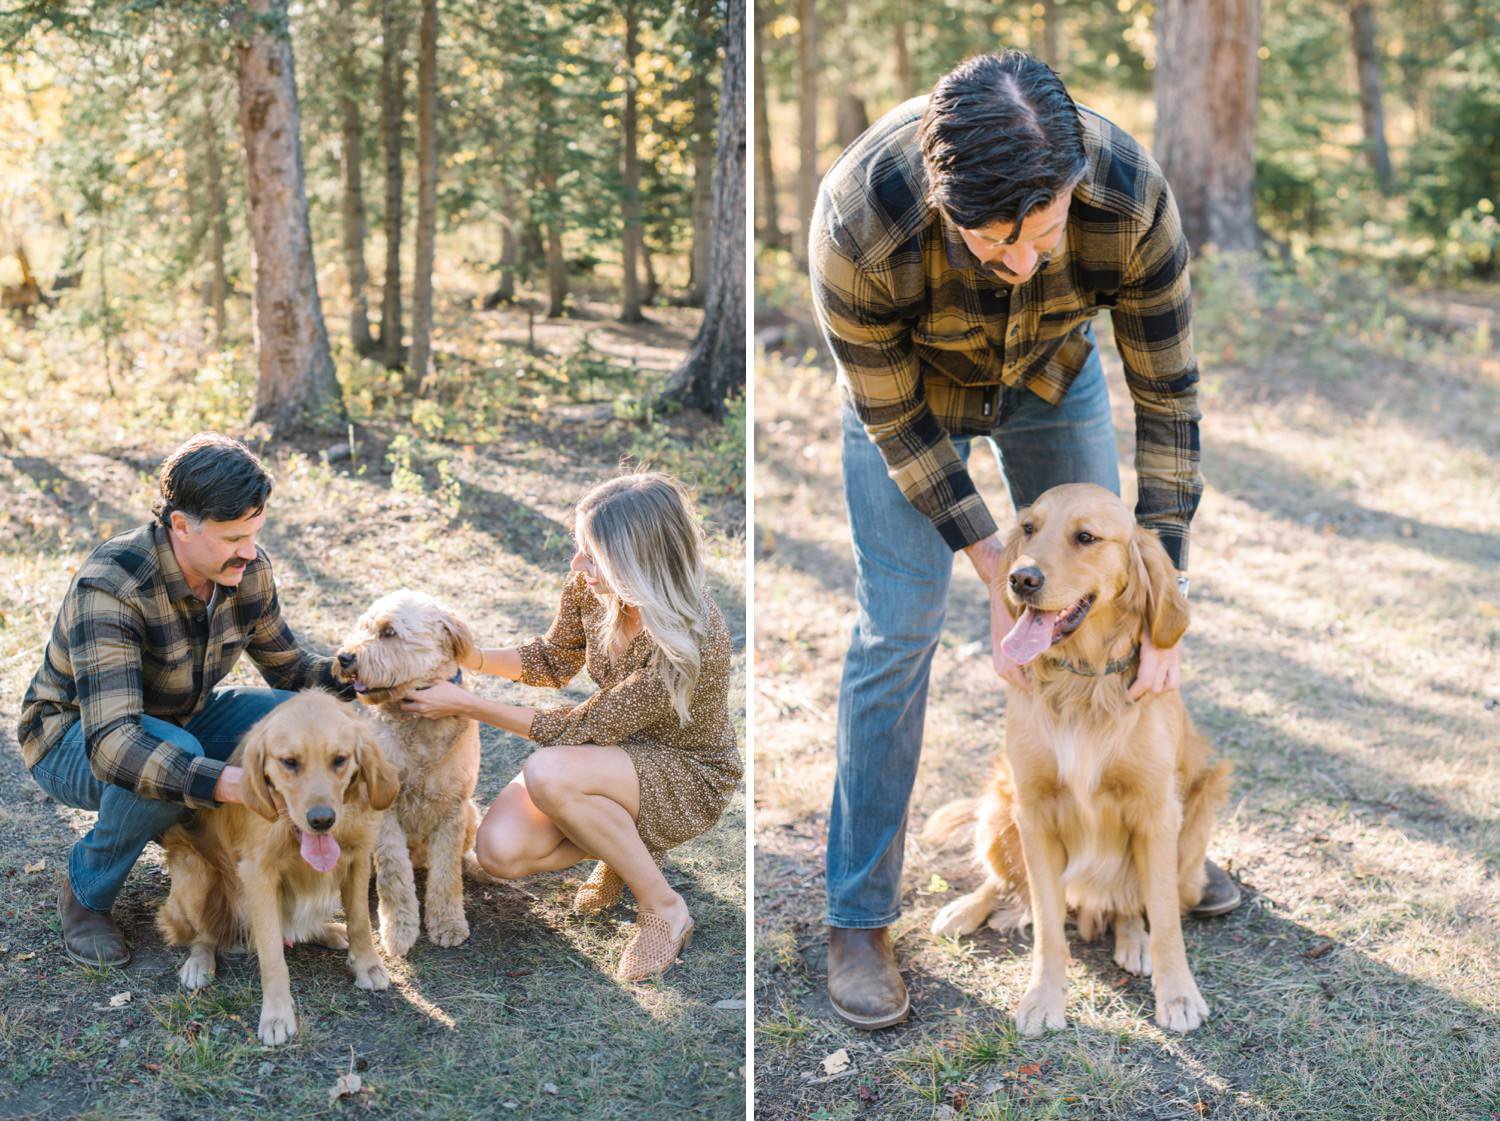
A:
[1090,924]
[962,916]
[398,936]
[1180,1008]
[1133,952]
[334,935]
[370,975]
[277,1025]
[449,930]
[1041,1010]
[197,971]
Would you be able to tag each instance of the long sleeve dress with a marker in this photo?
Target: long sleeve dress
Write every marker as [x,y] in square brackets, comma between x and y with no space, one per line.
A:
[687,772]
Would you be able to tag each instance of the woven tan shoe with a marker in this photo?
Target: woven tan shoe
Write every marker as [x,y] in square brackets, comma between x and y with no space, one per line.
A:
[653,950]
[599,892]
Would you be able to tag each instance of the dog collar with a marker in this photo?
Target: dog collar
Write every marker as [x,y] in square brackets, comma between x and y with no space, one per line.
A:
[457,678]
[1119,665]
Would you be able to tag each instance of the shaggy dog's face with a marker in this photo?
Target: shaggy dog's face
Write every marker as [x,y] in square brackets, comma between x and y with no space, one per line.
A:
[404,642]
[1073,551]
[311,755]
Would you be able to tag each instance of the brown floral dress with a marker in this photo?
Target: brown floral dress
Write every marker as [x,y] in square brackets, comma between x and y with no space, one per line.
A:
[687,772]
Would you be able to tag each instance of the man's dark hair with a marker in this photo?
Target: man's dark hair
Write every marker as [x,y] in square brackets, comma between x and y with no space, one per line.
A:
[212,477]
[1000,138]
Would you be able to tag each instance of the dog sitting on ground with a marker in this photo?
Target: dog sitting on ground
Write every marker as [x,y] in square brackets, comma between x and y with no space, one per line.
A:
[404,642]
[1100,804]
[273,871]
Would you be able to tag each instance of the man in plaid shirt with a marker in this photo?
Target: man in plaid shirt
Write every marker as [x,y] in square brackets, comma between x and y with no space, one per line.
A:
[959,251]
[123,716]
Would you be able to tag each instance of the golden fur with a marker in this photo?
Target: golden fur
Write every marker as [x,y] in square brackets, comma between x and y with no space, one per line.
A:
[238,876]
[1100,804]
[404,642]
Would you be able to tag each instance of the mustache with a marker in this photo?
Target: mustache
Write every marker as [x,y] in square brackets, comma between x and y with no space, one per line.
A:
[233,564]
[1005,274]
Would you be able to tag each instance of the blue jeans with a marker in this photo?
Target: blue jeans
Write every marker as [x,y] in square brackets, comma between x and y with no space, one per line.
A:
[100,861]
[902,569]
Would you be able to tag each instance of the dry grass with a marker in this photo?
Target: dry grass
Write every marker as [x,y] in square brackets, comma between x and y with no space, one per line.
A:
[526,1018]
[1343,655]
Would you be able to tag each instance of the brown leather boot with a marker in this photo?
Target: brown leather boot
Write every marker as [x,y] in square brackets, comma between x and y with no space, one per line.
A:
[89,938]
[1220,894]
[864,985]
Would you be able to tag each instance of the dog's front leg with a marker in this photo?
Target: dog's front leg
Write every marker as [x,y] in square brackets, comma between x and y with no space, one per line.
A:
[369,973]
[446,924]
[278,1018]
[399,924]
[1044,1003]
[1179,1005]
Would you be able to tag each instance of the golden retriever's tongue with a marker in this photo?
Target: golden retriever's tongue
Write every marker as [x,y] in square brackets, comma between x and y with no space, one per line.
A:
[1030,636]
[320,850]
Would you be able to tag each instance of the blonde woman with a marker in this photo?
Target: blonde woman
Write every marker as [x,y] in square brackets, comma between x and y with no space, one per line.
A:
[650,760]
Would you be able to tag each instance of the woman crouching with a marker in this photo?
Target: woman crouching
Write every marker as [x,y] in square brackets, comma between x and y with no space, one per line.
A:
[648,761]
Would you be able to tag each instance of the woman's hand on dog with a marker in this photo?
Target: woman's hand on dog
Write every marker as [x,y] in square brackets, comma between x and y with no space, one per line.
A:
[1160,670]
[442,699]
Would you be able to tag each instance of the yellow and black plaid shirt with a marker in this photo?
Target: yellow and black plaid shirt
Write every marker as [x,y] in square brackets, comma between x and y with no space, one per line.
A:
[925,336]
[132,640]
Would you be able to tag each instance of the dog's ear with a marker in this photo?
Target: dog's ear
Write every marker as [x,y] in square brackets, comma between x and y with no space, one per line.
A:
[1151,589]
[456,632]
[255,791]
[378,778]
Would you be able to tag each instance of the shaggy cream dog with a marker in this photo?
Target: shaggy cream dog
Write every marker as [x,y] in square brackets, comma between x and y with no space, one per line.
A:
[404,642]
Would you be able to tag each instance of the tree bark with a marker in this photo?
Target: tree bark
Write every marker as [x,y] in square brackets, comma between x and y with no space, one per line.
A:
[715,367]
[703,162]
[557,267]
[650,287]
[298,387]
[852,119]
[630,303]
[807,115]
[765,173]
[355,226]
[1206,91]
[1367,64]
[505,288]
[419,370]
[218,217]
[1051,34]
[905,79]
[392,109]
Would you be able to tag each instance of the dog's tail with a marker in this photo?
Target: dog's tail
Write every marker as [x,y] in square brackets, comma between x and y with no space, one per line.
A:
[951,824]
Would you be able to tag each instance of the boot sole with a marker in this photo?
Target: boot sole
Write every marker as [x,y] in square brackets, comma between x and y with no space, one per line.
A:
[872,1023]
[1214,910]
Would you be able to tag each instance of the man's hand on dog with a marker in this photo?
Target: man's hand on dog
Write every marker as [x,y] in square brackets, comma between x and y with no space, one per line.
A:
[1160,670]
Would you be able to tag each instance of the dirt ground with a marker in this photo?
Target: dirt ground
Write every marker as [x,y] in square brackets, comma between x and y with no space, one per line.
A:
[1344,655]
[525,1019]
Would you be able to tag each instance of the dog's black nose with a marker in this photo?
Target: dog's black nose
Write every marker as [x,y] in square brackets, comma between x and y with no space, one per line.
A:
[1024,581]
[320,819]
[346,661]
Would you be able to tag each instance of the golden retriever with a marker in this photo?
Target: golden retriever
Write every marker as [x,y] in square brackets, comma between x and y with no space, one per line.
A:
[276,868]
[406,641]
[1100,804]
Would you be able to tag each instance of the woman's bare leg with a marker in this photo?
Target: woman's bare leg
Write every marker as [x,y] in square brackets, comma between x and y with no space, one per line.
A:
[593,796]
[516,839]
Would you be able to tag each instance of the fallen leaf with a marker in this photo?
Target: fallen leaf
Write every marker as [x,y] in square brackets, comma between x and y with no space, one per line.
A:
[27,956]
[836,1063]
[732,1002]
[1317,951]
[347,1085]
[119,1000]
[39,866]
[937,885]
[154,1068]
[549,1088]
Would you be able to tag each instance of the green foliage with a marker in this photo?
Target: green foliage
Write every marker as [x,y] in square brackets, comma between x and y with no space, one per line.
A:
[713,463]
[1460,162]
[1472,242]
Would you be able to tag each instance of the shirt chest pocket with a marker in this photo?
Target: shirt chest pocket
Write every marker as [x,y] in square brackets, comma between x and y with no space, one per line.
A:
[965,355]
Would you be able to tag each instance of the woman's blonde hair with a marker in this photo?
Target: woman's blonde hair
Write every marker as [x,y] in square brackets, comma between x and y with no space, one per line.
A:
[640,531]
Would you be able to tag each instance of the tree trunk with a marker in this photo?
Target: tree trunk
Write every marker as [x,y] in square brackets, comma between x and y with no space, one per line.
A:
[355,227]
[505,288]
[703,165]
[1367,62]
[1051,34]
[651,287]
[419,370]
[904,76]
[807,116]
[218,218]
[765,173]
[557,267]
[392,109]
[1206,89]
[852,118]
[715,367]
[298,387]
[630,304]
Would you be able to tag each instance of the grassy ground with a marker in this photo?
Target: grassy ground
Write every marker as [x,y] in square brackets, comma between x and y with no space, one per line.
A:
[1343,654]
[466,494]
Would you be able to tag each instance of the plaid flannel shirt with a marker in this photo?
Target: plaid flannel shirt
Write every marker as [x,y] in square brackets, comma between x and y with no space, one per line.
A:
[131,640]
[925,337]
